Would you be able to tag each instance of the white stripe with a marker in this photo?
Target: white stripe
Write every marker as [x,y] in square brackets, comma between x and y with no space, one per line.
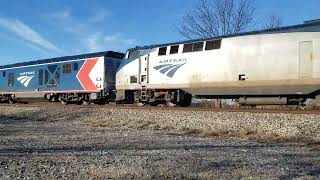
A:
[28,81]
[50,63]
[25,80]
[22,77]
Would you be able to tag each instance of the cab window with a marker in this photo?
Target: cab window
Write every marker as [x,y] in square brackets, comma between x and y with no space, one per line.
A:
[197,46]
[162,51]
[66,68]
[215,44]
[174,49]
[133,54]
[187,47]
[193,47]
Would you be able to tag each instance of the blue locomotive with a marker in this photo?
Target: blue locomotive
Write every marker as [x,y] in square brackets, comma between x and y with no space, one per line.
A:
[81,78]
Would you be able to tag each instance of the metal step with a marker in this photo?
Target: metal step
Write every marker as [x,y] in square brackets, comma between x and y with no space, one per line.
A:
[144,96]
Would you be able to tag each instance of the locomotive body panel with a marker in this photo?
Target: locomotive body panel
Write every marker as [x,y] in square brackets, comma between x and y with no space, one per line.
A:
[89,73]
[265,64]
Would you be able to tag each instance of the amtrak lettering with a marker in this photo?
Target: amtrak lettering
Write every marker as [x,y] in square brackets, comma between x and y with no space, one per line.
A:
[170,67]
[27,73]
[173,60]
[25,78]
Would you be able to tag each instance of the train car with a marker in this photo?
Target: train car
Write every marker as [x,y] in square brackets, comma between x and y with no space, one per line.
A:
[82,78]
[275,66]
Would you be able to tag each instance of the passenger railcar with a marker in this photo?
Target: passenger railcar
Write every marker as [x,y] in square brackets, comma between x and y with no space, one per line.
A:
[81,78]
[279,66]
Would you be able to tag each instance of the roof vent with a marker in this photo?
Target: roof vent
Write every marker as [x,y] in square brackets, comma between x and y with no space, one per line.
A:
[312,21]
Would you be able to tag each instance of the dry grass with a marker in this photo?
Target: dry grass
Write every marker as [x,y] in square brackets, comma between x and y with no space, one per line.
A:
[20,118]
[242,133]
[184,128]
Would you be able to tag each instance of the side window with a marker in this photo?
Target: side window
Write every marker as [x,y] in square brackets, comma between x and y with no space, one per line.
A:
[75,66]
[11,80]
[197,46]
[174,49]
[187,48]
[40,78]
[215,44]
[4,74]
[133,79]
[193,47]
[130,54]
[162,51]
[66,68]
[57,76]
[46,76]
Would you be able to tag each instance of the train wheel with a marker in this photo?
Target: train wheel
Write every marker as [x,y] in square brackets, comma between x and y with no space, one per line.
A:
[11,99]
[64,102]
[137,98]
[154,103]
[171,99]
[63,99]
[171,104]
[49,97]
[86,103]
[185,99]
[140,104]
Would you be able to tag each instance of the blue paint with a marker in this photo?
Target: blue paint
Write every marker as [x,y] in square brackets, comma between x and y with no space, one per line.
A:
[162,66]
[53,78]
[168,69]
[174,70]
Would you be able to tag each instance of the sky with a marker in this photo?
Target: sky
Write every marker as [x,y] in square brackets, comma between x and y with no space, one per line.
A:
[34,29]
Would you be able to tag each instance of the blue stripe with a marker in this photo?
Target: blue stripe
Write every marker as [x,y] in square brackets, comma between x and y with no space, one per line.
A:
[174,70]
[166,69]
[161,66]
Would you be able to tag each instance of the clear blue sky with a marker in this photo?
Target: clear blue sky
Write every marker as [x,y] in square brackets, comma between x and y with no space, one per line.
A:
[33,29]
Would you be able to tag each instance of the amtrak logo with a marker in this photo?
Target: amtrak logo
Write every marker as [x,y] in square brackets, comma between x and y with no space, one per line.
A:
[168,69]
[25,80]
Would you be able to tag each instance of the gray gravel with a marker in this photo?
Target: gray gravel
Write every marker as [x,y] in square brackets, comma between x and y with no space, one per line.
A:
[280,125]
[38,143]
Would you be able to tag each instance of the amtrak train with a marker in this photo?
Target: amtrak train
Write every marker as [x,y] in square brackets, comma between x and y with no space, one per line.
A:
[277,66]
[82,78]
[274,66]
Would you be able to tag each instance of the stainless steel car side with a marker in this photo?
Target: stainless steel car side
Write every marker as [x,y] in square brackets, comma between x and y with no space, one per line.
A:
[275,68]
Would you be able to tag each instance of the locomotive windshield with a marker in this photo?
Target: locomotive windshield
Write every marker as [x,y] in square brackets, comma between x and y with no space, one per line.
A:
[133,54]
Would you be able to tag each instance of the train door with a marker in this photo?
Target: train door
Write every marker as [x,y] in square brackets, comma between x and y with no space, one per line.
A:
[3,80]
[11,80]
[306,59]
[49,77]
[144,69]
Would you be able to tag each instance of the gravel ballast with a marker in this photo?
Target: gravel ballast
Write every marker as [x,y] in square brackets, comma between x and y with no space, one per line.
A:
[78,143]
[287,126]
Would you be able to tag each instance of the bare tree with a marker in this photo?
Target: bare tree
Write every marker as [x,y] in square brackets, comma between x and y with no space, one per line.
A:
[273,21]
[212,18]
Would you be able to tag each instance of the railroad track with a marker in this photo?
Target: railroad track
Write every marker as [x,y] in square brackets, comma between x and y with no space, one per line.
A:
[41,104]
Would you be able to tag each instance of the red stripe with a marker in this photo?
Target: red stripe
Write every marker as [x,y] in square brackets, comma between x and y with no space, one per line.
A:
[83,75]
